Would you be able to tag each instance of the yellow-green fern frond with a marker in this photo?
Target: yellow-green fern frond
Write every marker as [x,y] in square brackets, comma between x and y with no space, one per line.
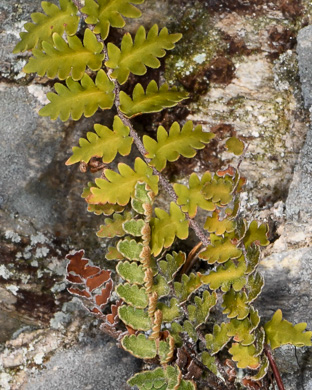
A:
[135,56]
[192,197]
[165,227]
[169,146]
[119,187]
[153,100]
[62,59]
[106,13]
[105,143]
[80,98]
[56,20]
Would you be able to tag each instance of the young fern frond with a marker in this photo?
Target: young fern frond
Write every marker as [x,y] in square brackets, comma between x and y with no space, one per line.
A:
[144,51]
[62,59]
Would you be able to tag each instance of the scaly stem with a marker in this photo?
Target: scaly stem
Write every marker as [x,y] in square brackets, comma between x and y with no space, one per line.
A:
[274,367]
[200,233]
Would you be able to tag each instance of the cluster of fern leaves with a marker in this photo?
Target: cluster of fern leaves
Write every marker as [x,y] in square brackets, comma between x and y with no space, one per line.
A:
[165,312]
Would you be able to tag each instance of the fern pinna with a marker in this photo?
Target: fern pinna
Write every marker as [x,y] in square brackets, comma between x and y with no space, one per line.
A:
[168,302]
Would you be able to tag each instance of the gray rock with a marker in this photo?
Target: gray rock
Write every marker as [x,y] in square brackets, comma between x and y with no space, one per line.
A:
[288,286]
[95,365]
[299,200]
[304,50]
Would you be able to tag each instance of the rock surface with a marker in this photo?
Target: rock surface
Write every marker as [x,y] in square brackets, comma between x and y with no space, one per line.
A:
[240,65]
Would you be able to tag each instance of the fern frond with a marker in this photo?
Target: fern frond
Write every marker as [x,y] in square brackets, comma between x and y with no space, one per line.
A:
[105,143]
[169,146]
[257,234]
[80,98]
[242,330]
[236,304]
[153,100]
[221,250]
[132,272]
[189,284]
[62,59]
[199,312]
[162,378]
[245,356]
[165,227]
[106,13]
[170,312]
[135,56]
[192,197]
[224,277]
[119,187]
[56,20]
[133,295]
[171,265]
[218,339]
[138,319]
[280,332]
[98,209]
[214,225]
[114,227]
[139,346]
[219,190]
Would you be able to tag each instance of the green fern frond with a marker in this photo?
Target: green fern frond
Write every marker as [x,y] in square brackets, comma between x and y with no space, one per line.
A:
[132,272]
[153,100]
[165,227]
[80,98]
[139,346]
[214,225]
[189,284]
[130,249]
[221,250]
[257,234]
[98,209]
[119,187]
[114,227]
[133,295]
[236,304]
[138,319]
[62,59]
[162,378]
[169,146]
[242,330]
[199,312]
[219,190]
[280,332]
[170,312]
[171,265]
[106,13]
[245,356]
[160,286]
[192,197]
[232,274]
[105,143]
[135,56]
[218,339]
[56,20]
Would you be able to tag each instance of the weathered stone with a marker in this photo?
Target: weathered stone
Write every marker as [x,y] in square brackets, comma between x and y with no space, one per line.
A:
[304,50]
[96,362]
